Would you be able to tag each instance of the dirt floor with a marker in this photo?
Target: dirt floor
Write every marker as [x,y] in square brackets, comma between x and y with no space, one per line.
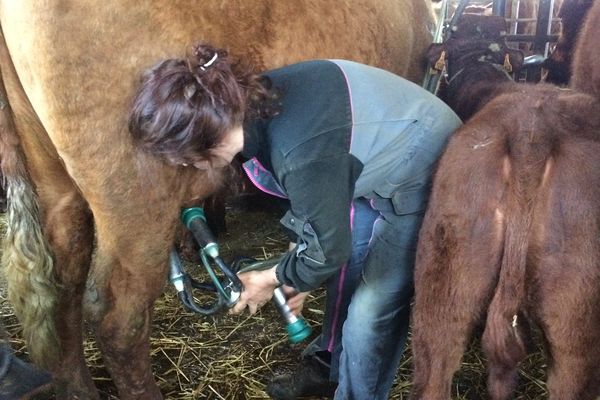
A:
[234,357]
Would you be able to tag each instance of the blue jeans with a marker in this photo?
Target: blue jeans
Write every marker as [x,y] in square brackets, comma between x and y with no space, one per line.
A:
[374,333]
[368,302]
[342,286]
[369,299]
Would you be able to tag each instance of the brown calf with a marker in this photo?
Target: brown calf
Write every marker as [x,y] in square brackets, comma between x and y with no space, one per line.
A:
[586,60]
[513,231]
[511,238]
[558,64]
[478,62]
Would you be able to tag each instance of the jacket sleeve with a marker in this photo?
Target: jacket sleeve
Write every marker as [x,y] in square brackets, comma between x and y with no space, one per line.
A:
[320,194]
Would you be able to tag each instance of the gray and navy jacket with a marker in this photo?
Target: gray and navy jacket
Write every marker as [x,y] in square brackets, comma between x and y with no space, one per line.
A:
[338,137]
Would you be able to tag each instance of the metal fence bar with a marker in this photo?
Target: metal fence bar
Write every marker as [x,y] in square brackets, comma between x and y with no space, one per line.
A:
[531,38]
[498,7]
[528,19]
[540,45]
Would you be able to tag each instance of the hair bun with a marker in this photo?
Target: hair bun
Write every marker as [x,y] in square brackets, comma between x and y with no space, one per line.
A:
[204,56]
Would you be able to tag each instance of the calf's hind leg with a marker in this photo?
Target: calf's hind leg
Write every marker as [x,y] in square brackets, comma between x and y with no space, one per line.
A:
[570,315]
[454,281]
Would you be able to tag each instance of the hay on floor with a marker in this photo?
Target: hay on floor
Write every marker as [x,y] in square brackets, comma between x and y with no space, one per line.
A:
[234,357]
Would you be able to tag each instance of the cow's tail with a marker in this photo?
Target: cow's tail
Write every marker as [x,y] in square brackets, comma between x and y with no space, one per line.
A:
[503,337]
[26,257]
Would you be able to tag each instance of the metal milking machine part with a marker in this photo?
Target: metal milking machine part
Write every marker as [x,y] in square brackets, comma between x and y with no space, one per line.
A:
[229,288]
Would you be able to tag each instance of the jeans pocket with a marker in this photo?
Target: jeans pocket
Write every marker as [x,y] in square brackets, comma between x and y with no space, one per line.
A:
[410,201]
[390,264]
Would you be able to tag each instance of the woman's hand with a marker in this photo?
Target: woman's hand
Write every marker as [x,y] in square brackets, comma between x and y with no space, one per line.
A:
[295,299]
[258,290]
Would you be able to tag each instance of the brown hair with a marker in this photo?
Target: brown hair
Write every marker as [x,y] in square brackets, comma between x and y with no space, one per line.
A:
[184,106]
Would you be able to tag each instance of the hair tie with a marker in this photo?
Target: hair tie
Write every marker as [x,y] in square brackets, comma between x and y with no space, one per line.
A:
[189,91]
[209,63]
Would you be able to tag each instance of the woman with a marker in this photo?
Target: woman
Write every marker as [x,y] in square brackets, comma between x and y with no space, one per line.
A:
[353,149]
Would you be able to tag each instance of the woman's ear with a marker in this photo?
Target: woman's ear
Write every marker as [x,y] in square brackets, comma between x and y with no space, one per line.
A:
[211,161]
[203,164]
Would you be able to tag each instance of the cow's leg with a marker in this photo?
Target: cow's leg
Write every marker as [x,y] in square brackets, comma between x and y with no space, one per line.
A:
[455,276]
[130,270]
[65,240]
[570,315]
[53,289]
[573,373]
[69,228]
[567,276]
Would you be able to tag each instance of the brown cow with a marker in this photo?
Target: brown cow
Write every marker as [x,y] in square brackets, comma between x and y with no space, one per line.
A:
[558,64]
[104,212]
[586,60]
[511,238]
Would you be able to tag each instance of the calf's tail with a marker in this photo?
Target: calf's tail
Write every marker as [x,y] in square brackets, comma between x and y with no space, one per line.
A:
[26,257]
[503,339]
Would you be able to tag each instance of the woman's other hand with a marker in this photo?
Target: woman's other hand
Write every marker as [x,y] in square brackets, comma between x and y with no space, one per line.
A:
[295,299]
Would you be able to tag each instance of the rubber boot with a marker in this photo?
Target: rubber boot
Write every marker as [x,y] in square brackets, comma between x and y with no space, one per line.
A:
[310,379]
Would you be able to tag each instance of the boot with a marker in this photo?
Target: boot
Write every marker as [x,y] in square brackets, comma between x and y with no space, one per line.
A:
[310,379]
[18,379]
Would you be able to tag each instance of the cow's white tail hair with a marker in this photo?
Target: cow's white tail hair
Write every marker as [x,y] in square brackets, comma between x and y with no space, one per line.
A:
[26,257]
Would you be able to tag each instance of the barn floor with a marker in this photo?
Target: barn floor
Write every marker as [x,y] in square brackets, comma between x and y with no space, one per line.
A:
[233,357]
